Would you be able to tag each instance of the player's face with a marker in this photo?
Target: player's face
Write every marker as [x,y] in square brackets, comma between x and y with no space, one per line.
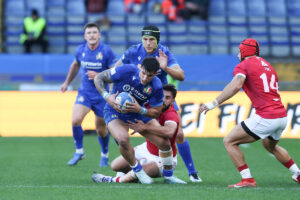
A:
[146,77]
[149,44]
[168,100]
[239,56]
[92,35]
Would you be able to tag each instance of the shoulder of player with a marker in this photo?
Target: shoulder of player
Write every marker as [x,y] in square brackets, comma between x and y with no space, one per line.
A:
[171,115]
[156,83]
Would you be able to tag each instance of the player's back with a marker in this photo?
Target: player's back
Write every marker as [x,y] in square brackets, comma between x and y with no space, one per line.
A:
[261,86]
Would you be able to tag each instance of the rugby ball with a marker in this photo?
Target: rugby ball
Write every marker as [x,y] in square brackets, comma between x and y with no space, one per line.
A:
[123,98]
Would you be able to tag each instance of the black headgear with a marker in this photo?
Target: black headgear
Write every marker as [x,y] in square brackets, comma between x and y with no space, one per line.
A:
[151,30]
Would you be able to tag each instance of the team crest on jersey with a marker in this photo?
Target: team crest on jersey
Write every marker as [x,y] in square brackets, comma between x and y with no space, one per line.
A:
[99,56]
[148,90]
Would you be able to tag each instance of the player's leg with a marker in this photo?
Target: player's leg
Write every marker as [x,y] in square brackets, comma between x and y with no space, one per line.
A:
[79,112]
[232,141]
[119,164]
[151,169]
[281,154]
[185,152]
[119,130]
[103,138]
[165,153]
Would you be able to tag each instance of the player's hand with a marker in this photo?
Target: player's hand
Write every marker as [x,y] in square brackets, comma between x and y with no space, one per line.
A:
[64,87]
[111,100]
[132,107]
[91,74]
[163,60]
[208,106]
[139,126]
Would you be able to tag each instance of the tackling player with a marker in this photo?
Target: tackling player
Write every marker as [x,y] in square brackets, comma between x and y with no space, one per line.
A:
[150,47]
[260,82]
[147,153]
[93,57]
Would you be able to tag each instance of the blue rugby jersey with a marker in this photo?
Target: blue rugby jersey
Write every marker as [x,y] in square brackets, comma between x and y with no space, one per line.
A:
[126,79]
[98,60]
[136,54]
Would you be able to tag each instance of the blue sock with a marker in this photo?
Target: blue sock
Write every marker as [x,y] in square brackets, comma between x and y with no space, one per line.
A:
[168,173]
[78,136]
[137,168]
[104,143]
[185,153]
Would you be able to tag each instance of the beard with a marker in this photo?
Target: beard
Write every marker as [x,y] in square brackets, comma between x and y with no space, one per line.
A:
[165,107]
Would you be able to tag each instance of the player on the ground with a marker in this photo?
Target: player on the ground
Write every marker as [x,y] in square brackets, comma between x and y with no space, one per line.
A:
[147,91]
[154,161]
[150,46]
[260,82]
[93,57]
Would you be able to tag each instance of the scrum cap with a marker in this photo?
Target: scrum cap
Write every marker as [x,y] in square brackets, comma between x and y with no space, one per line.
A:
[249,47]
[151,31]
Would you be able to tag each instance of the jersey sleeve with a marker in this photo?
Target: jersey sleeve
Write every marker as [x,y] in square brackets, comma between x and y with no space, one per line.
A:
[171,58]
[126,56]
[112,59]
[157,96]
[171,117]
[120,72]
[240,69]
[77,54]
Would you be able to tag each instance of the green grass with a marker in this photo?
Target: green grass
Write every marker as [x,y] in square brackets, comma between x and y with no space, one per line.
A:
[36,168]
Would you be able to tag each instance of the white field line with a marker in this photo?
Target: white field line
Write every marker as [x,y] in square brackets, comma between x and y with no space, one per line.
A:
[139,186]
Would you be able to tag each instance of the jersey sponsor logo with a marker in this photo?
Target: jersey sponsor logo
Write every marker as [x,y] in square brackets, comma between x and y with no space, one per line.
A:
[139,58]
[99,56]
[126,87]
[133,78]
[91,65]
[83,54]
[135,92]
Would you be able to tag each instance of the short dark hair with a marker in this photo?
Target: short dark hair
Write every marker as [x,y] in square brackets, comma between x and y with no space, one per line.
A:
[150,64]
[34,12]
[90,25]
[171,88]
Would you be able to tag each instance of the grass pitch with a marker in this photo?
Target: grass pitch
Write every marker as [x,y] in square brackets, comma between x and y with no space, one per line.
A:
[36,168]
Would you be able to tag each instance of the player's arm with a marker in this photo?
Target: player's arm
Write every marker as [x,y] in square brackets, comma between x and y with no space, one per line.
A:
[229,91]
[175,71]
[74,68]
[99,81]
[155,128]
[135,107]
[118,63]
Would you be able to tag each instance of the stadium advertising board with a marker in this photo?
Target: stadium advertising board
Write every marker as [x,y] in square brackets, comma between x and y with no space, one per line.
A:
[49,114]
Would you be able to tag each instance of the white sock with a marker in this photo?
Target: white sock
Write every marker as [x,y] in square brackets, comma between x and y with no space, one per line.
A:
[246,173]
[294,168]
[80,151]
[104,154]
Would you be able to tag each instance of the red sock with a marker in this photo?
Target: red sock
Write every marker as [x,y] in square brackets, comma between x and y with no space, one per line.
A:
[241,168]
[118,179]
[289,163]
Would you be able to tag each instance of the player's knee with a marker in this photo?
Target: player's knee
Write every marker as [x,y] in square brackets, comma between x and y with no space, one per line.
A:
[227,142]
[124,143]
[101,132]
[269,148]
[76,122]
[180,137]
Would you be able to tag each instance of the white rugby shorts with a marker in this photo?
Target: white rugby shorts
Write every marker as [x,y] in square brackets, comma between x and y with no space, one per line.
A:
[144,157]
[261,128]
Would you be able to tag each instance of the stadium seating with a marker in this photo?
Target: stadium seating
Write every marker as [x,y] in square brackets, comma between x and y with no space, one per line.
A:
[274,23]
